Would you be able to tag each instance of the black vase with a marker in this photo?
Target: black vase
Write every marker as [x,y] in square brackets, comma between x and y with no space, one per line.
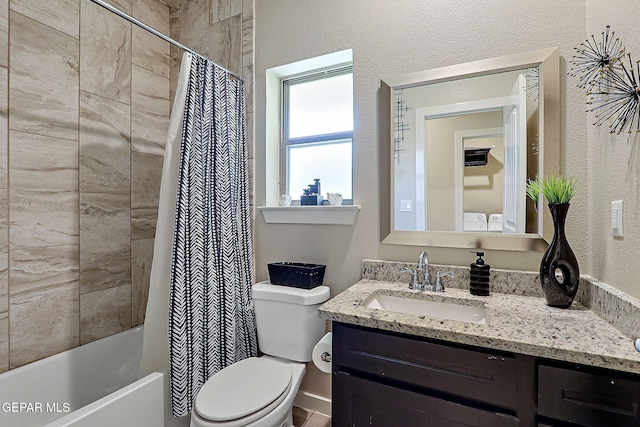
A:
[559,271]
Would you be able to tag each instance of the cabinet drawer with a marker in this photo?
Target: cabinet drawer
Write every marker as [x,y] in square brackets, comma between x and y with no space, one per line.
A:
[588,399]
[359,402]
[486,377]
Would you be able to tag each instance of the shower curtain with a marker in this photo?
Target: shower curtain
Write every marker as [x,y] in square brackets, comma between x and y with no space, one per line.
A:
[203,280]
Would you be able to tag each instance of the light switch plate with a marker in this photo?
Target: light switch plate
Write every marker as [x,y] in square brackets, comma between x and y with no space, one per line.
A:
[406,205]
[617,222]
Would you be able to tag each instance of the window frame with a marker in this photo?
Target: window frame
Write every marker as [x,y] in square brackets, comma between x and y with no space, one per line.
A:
[286,142]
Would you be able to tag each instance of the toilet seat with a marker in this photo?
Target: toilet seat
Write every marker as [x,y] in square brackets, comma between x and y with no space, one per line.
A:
[243,392]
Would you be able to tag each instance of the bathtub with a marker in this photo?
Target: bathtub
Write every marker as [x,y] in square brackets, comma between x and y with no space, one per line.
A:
[93,385]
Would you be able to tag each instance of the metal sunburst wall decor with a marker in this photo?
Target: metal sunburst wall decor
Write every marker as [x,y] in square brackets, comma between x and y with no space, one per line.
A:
[618,99]
[532,78]
[613,88]
[593,58]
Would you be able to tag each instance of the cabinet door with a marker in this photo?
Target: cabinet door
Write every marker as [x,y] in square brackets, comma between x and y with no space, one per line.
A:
[587,398]
[360,402]
[483,376]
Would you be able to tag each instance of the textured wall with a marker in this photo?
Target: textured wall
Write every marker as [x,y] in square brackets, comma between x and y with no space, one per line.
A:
[390,38]
[84,105]
[614,166]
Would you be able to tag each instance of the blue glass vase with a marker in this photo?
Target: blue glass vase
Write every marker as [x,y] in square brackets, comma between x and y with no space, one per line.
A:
[559,271]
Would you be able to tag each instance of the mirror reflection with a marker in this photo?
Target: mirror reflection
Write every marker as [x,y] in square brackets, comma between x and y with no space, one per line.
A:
[463,152]
[463,140]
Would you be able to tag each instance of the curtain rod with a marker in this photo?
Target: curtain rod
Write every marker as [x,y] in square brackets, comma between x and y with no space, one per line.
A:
[162,36]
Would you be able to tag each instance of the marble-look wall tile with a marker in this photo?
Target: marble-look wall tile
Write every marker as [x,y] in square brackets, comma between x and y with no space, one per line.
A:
[141,259]
[44,302]
[248,44]
[4,342]
[43,163]
[4,81]
[247,9]
[104,313]
[225,43]
[43,77]
[4,33]
[105,159]
[150,112]
[224,9]
[123,5]
[63,15]
[175,53]
[149,51]
[4,251]
[105,53]
[43,218]
[194,16]
[146,172]
[105,239]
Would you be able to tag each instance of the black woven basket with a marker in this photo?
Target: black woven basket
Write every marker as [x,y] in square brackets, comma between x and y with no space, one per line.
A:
[296,274]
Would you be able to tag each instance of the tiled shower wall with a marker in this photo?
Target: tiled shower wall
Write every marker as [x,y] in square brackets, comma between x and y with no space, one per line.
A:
[84,107]
[223,31]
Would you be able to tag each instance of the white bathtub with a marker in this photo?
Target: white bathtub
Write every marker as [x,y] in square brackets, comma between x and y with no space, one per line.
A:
[93,385]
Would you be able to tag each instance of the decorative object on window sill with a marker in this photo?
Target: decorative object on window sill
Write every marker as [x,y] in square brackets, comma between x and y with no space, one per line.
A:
[335,199]
[559,270]
[285,200]
[311,196]
[613,89]
[476,156]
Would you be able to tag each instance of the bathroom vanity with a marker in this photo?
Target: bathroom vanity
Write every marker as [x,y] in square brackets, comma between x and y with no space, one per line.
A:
[527,365]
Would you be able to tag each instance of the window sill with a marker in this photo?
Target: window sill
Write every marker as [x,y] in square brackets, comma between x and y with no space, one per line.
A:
[333,215]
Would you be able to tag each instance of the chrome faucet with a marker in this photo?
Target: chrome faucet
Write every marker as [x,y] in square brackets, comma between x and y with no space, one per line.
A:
[423,266]
[420,277]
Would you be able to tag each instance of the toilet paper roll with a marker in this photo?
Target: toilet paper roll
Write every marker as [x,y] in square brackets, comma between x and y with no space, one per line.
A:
[321,354]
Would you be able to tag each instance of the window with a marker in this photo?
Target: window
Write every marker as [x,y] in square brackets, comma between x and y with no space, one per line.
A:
[317,132]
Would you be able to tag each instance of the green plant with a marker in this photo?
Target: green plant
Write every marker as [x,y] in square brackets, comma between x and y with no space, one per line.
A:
[533,190]
[556,189]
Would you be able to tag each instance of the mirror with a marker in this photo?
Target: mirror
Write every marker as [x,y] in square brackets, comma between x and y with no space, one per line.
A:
[464,140]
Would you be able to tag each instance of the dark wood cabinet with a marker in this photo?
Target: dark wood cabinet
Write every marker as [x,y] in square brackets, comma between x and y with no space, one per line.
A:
[588,397]
[387,379]
[370,403]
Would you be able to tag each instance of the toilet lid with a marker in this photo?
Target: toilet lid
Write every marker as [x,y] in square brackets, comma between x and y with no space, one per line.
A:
[243,388]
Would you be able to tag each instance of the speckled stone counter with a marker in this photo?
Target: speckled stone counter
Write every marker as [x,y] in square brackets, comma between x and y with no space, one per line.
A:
[515,322]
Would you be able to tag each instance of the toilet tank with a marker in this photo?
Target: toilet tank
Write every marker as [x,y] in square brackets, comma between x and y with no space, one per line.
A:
[287,319]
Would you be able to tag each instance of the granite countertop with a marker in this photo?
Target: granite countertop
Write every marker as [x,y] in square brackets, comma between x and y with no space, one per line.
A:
[515,323]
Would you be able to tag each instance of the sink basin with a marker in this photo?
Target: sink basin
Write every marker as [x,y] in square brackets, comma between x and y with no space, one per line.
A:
[449,310]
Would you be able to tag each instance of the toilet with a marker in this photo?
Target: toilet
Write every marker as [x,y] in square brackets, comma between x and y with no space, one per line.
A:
[259,391]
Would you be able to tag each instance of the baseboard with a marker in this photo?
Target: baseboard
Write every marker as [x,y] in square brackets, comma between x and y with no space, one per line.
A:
[313,402]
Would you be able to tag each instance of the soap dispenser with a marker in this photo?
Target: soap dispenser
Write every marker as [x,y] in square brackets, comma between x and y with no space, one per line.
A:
[479,278]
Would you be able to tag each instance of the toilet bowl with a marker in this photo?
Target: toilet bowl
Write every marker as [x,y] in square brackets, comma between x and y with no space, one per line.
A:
[253,392]
[259,391]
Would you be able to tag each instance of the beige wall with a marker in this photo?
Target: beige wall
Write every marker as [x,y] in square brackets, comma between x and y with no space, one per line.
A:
[84,105]
[614,167]
[390,38]
[483,185]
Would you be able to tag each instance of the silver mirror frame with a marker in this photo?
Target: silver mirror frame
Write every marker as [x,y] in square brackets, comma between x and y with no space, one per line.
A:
[549,152]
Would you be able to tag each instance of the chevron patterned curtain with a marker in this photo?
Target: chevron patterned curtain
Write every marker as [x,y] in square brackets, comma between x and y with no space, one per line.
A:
[211,317]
